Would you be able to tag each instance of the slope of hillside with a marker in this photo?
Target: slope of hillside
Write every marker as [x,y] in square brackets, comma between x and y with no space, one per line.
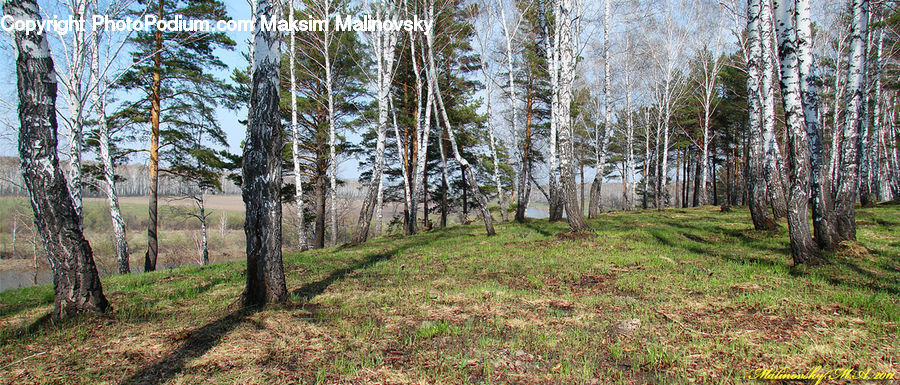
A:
[689,295]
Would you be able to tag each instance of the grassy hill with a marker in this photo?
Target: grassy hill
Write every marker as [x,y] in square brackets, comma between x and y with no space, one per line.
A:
[680,296]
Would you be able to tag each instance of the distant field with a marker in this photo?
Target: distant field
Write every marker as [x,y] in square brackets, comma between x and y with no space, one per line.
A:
[212,202]
[680,296]
[179,232]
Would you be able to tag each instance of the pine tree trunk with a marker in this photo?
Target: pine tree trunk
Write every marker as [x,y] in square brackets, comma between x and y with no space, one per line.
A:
[524,194]
[262,169]
[803,249]
[155,111]
[76,283]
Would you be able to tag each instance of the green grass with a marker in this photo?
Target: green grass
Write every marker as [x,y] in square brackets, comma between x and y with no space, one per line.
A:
[714,300]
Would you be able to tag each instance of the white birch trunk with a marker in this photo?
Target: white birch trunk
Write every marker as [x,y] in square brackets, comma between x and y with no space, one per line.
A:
[509,35]
[384,44]
[553,59]
[847,177]
[772,153]
[204,239]
[467,169]
[803,250]
[332,156]
[423,130]
[808,87]
[302,241]
[76,93]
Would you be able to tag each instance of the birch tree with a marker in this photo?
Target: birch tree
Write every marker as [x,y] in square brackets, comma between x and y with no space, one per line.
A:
[803,250]
[77,285]
[847,180]
[773,162]
[755,100]
[603,140]
[509,35]
[423,130]
[467,169]
[710,64]
[76,94]
[262,168]
[809,89]
[302,242]
[101,87]
[488,78]
[384,44]
[669,88]
[566,60]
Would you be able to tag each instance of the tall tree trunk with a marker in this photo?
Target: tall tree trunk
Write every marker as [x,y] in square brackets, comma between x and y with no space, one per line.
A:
[809,89]
[756,174]
[445,177]
[495,175]
[880,148]
[469,174]
[76,92]
[204,240]
[646,175]
[409,227]
[803,249]
[847,180]
[321,192]
[384,56]
[155,111]
[332,156]
[262,169]
[524,194]
[108,168]
[76,283]
[555,201]
[564,117]
[509,35]
[423,134]
[607,126]
[774,176]
[302,242]
[629,140]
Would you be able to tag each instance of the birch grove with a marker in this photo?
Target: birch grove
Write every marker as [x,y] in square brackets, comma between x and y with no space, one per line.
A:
[796,125]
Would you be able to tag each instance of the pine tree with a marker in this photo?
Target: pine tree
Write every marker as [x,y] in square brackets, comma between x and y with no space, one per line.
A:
[182,64]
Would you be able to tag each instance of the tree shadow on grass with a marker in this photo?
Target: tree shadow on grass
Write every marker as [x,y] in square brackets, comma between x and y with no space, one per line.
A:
[202,340]
[312,289]
[42,323]
[865,279]
[197,344]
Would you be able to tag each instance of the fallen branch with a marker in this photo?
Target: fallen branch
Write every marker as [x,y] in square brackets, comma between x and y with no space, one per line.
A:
[19,361]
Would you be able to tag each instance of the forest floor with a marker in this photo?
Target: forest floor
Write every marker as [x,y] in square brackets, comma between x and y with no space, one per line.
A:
[679,296]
